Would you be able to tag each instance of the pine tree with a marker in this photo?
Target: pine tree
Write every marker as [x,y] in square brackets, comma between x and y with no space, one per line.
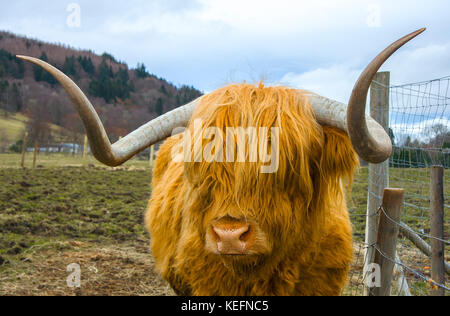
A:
[40,74]
[87,65]
[69,66]
[159,108]
[141,71]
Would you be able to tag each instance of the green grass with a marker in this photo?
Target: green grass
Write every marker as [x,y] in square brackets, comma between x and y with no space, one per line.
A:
[42,206]
[62,160]
[416,183]
[13,126]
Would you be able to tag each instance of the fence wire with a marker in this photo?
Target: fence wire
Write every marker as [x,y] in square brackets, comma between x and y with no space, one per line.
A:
[419,126]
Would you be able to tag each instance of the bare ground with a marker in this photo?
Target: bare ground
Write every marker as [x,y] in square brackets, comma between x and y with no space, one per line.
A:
[106,270]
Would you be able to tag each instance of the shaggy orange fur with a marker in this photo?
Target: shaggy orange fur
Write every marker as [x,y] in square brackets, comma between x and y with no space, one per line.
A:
[300,208]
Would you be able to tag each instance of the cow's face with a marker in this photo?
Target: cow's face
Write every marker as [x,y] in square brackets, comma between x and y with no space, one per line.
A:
[246,228]
[246,214]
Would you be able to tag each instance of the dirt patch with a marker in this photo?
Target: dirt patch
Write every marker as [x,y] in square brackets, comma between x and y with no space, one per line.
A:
[113,270]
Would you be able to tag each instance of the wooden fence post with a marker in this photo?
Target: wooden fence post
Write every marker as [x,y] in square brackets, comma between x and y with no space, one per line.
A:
[24,149]
[85,149]
[437,228]
[152,155]
[35,153]
[378,173]
[402,283]
[387,239]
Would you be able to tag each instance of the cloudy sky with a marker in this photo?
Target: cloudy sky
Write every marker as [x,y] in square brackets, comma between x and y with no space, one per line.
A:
[320,45]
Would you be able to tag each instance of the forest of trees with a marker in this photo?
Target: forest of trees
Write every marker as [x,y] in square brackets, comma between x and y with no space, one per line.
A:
[10,65]
[124,98]
[109,85]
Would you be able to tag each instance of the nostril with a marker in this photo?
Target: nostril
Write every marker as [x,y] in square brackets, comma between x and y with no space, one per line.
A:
[245,235]
[215,235]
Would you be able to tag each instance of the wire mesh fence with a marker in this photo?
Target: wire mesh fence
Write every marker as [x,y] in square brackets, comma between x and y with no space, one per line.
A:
[419,126]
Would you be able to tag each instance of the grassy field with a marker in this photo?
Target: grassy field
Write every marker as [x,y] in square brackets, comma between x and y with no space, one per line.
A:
[12,126]
[94,217]
[55,160]
[63,213]
[416,183]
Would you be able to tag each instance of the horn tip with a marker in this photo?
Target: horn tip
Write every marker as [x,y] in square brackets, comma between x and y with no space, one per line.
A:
[418,32]
[23,57]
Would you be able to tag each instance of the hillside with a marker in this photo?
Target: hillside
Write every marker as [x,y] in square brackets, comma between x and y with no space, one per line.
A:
[12,126]
[125,98]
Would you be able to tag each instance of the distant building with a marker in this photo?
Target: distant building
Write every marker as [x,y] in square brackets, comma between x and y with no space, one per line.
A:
[62,148]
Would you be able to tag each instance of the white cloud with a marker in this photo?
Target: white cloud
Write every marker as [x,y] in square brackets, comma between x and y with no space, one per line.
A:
[200,42]
[267,16]
[420,64]
[335,82]
[407,66]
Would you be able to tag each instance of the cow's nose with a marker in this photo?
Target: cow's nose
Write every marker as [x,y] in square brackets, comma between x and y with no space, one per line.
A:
[231,238]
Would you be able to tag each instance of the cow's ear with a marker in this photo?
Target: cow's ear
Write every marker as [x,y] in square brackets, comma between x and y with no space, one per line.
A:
[338,160]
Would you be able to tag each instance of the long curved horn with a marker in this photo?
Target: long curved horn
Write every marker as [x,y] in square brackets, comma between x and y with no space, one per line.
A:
[333,113]
[368,138]
[135,142]
[370,142]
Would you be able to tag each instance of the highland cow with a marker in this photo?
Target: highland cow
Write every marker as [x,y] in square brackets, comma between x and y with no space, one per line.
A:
[225,228]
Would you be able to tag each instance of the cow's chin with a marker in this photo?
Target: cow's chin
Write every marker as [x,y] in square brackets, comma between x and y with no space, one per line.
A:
[247,262]
[242,264]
